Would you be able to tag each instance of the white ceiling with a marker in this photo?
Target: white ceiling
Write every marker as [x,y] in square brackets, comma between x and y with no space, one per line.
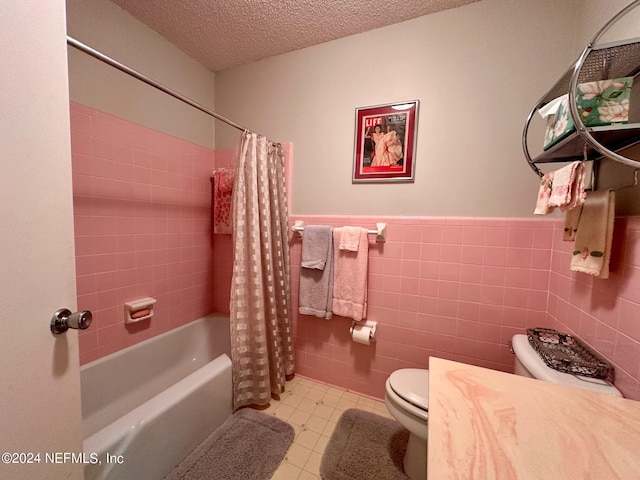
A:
[226,33]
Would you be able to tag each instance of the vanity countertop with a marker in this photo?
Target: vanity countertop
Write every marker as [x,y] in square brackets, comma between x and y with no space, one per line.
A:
[490,425]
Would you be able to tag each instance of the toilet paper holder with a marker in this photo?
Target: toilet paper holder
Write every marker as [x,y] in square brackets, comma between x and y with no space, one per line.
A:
[369,324]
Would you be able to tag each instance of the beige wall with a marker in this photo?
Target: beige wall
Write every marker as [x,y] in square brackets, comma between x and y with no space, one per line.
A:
[107,28]
[477,71]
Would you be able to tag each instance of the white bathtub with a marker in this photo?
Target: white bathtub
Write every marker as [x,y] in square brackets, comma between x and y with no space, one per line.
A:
[146,407]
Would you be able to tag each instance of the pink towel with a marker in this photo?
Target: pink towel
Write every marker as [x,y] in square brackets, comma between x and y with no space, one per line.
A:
[592,250]
[223,179]
[350,277]
[350,238]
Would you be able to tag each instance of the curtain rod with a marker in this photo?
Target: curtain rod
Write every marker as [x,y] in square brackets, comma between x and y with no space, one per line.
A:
[129,71]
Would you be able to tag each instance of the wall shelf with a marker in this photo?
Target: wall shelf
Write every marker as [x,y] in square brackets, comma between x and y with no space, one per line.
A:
[597,62]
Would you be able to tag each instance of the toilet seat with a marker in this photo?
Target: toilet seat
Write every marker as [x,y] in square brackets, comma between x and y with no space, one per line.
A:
[412,386]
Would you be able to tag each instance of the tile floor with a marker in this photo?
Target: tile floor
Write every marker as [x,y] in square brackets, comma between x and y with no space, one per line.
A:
[313,409]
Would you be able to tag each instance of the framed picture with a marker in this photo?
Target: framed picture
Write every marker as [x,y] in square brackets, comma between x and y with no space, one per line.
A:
[385,143]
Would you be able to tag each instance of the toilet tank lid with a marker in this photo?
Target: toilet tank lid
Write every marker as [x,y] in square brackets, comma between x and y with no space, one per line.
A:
[411,384]
[540,370]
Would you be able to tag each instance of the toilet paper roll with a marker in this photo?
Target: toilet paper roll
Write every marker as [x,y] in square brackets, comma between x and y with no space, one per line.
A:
[361,334]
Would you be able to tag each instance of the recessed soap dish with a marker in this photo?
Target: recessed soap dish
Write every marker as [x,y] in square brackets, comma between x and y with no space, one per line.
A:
[138,310]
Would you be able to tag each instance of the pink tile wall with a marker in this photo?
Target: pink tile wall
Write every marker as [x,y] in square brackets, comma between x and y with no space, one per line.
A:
[455,288]
[604,313]
[142,205]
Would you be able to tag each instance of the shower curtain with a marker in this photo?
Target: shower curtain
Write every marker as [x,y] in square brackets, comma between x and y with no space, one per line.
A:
[261,336]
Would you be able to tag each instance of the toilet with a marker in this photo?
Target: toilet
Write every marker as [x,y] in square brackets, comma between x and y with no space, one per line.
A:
[407,398]
[529,364]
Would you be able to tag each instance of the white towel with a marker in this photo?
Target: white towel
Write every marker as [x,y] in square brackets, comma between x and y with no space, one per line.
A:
[567,189]
[315,296]
[350,277]
[544,193]
[592,250]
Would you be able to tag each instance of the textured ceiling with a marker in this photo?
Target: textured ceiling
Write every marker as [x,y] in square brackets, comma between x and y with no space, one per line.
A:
[227,33]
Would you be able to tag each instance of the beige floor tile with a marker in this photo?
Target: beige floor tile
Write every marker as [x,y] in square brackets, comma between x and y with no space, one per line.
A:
[321,444]
[292,400]
[304,475]
[321,386]
[346,403]
[286,471]
[305,381]
[328,430]
[299,417]
[307,439]
[315,395]
[323,411]
[283,412]
[337,392]
[316,424]
[350,396]
[330,400]
[296,429]
[307,405]
[301,390]
[313,464]
[298,455]
[335,416]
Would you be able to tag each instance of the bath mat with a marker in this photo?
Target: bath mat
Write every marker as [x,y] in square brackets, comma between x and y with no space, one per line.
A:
[364,446]
[249,445]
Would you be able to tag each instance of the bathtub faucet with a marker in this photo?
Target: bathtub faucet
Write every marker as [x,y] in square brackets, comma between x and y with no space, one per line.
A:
[63,320]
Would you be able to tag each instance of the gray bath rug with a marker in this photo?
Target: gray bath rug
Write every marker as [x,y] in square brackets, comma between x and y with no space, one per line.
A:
[249,445]
[365,446]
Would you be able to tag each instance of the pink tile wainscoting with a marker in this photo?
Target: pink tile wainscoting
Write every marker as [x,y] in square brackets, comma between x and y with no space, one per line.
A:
[456,288]
[459,288]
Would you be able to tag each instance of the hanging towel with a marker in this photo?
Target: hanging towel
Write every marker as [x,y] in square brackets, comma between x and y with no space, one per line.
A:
[223,179]
[350,238]
[315,246]
[578,193]
[567,190]
[315,296]
[350,277]
[542,205]
[571,221]
[592,250]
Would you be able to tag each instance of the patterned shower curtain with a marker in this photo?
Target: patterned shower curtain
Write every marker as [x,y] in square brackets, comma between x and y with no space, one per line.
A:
[261,336]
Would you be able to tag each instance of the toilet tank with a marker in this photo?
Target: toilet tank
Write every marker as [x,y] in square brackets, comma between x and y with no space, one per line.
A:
[527,363]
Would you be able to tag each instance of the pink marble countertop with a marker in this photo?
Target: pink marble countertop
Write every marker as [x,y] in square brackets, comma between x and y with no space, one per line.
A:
[490,425]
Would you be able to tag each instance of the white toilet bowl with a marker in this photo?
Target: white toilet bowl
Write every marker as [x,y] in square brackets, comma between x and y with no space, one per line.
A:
[407,399]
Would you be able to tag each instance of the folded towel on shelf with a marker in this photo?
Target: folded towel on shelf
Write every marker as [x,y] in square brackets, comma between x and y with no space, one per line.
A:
[542,204]
[350,277]
[315,246]
[223,179]
[571,221]
[592,250]
[315,296]
[350,238]
[567,190]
